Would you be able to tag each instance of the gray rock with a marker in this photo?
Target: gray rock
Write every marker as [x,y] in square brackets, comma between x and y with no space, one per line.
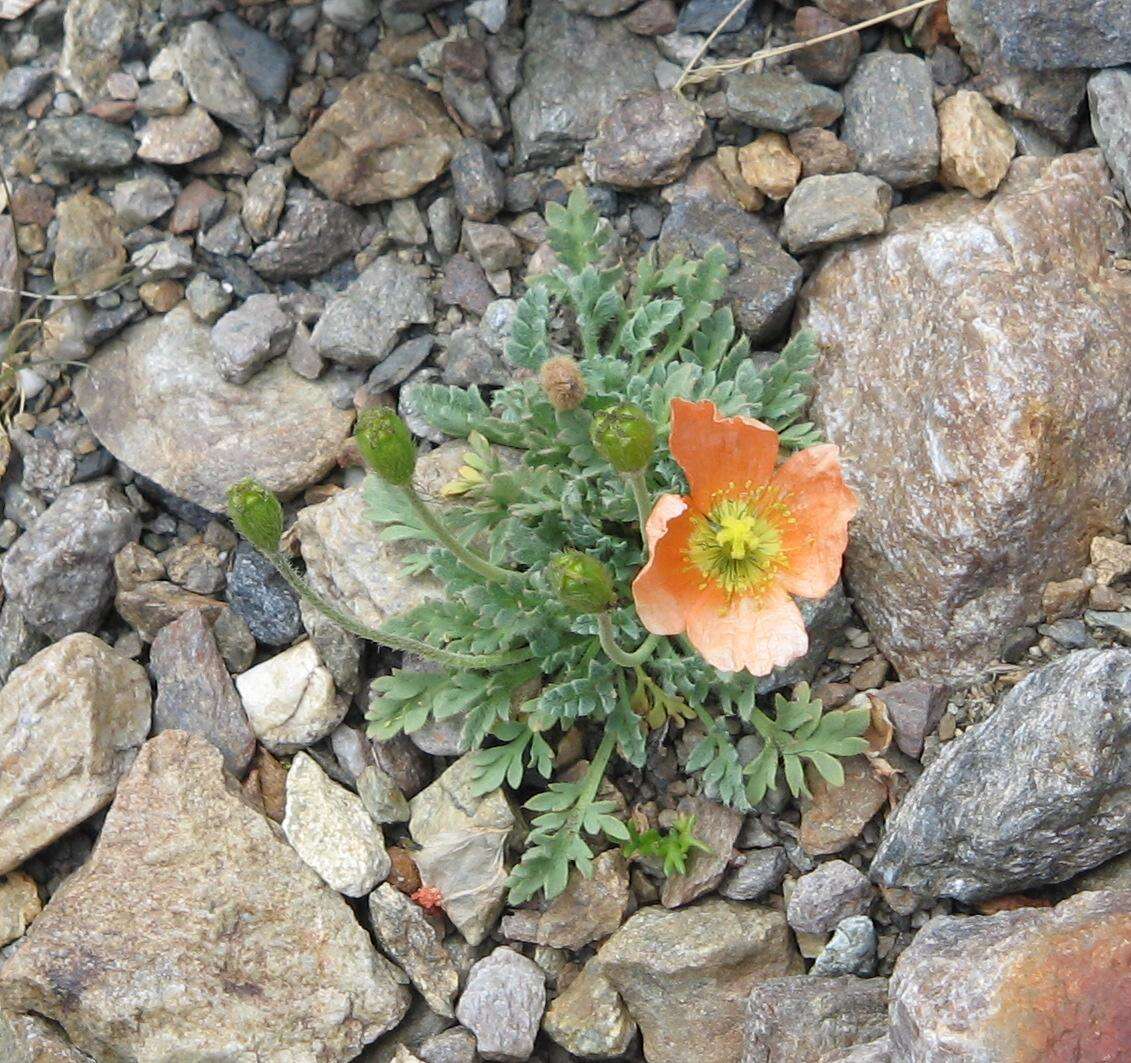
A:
[246,338]
[574,69]
[1030,797]
[195,692]
[825,210]
[61,572]
[95,32]
[200,434]
[409,939]
[764,280]
[214,80]
[84,143]
[405,224]
[207,298]
[313,234]
[889,119]
[141,200]
[468,360]
[950,550]
[1109,100]
[381,796]
[851,949]
[11,273]
[588,1019]
[19,641]
[463,839]
[399,364]
[700,961]
[162,97]
[444,224]
[831,892]
[914,708]
[352,15]
[20,84]
[877,1051]
[717,826]
[456,1045]
[503,1004]
[265,64]
[181,932]
[178,139]
[784,104]
[494,247]
[704,16]
[761,873]
[71,722]
[340,651]
[263,202]
[361,325]
[807,1018]
[598,8]
[162,259]
[330,829]
[478,183]
[1035,980]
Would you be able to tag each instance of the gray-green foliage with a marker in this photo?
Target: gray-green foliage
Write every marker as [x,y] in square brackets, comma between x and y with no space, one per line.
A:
[660,337]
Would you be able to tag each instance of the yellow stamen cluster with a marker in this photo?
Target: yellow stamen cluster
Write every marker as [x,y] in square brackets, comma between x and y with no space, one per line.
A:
[737,544]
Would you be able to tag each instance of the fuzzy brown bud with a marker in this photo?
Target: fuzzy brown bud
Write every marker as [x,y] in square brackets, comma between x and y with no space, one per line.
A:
[563,383]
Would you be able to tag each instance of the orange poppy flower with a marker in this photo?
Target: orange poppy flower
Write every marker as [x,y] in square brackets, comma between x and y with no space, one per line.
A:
[724,561]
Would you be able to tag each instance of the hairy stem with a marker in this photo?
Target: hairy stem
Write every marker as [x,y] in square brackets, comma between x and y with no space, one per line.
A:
[614,652]
[643,502]
[386,638]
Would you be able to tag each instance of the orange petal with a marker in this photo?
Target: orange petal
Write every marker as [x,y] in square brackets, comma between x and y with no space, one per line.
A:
[722,456]
[821,505]
[664,587]
[758,634]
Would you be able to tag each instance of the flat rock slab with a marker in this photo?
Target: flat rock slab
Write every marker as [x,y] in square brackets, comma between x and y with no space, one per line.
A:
[195,931]
[71,721]
[155,400]
[974,375]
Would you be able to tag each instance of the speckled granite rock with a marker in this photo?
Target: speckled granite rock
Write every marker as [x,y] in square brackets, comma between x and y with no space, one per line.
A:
[589,1018]
[965,514]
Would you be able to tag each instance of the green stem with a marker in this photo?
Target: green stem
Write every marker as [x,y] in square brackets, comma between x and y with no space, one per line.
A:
[614,652]
[596,770]
[643,502]
[479,565]
[386,638]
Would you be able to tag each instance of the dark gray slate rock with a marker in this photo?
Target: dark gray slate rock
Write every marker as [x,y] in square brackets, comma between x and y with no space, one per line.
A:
[261,596]
[215,81]
[763,281]
[889,119]
[61,573]
[851,949]
[703,16]
[774,101]
[805,1017]
[1109,100]
[85,143]
[313,234]
[478,182]
[195,692]
[574,69]
[1032,796]
[265,64]
[762,872]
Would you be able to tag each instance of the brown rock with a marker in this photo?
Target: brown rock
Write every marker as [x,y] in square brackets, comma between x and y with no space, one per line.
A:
[821,153]
[179,139]
[89,252]
[198,198]
[829,63]
[384,138]
[836,815]
[589,908]
[1062,598]
[1111,559]
[19,905]
[966,512]
[768,165]
[194,925]
[161,296]
[653,18]
[148,607]
[749,198]
[976,143]
[589,1018]
[716,826]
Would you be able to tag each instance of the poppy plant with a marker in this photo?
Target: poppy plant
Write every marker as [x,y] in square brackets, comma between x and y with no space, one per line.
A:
[725,560]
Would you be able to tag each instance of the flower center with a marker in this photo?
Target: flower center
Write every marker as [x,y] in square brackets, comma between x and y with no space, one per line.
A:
[737,544]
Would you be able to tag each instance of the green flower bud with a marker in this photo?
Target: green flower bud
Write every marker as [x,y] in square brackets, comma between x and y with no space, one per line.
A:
[256,513]
[386,445]
[624,437]
[582,583]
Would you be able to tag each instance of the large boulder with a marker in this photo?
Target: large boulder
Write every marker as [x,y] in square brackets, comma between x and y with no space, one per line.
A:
[195,931]
[71,721]
[1017,987]
[156,402]
[974,375]
[1034,795]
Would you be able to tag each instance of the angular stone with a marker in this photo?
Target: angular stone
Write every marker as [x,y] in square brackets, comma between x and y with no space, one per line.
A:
[200,434]
[700,961]
[148,607]
[575,69]
[94,35]
[764,280]
[89,252]
[246,338]
[263,203]
[330,829]
[851,950]
[646,140]
[977,144]
[783,104]
[384,137]
[914,708]
[950,550]
[405,933]
[503,1005]
[215,82]
[1109,101]
[762,872]
[589,908]
[1036,983]
[265,601]
[478,184]
[19,905]
[265,63]
[194,925]
[381,796]
[195,692]
[889,119]
[29,1038]
[11,273]
[141,200]
[362,324]
[1030,797]
[463,839]
[289,699]
[768,165]
[589,1018]
[60,573]
[313,234]
[84,143]
[806,1017]
[717,827]
[827,210]
[71,722]
[829,63]
[179,139]
[821,898]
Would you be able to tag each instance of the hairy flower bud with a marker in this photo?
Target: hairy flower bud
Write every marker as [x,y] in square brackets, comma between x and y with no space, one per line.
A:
[582,583]
[256,513]
[386,445]
[624,437]
[562,381]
